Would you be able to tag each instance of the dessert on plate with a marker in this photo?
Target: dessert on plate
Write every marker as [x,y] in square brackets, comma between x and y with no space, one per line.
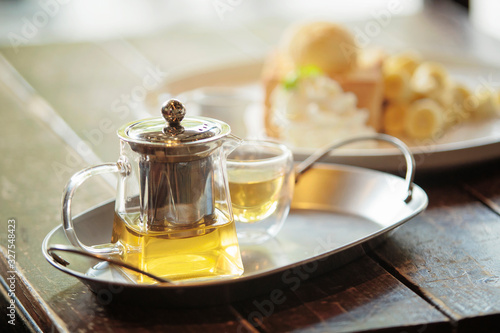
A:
[319,86]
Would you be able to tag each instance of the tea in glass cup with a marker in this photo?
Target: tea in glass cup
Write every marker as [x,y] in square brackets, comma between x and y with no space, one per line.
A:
[261,187]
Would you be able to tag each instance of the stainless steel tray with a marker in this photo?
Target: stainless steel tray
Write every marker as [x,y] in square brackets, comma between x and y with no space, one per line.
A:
[337,212]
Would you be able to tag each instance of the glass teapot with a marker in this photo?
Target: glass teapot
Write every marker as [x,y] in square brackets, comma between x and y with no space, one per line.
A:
[173,214]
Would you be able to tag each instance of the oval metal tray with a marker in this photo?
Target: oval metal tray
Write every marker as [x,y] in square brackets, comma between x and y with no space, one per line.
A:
[337,212]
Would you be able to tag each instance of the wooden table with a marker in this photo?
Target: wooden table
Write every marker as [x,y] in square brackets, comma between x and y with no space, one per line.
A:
[439,272]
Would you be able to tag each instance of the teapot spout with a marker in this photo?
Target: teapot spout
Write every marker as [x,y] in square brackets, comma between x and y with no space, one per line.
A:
[231,142]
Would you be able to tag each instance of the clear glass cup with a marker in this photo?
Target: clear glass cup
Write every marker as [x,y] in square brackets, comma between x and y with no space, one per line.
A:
[261,181]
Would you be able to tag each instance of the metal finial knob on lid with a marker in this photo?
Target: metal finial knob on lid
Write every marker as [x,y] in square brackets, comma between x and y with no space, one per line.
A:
[173,112]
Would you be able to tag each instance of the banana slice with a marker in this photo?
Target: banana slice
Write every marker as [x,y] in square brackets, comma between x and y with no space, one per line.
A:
[395,118]
[430,79]
[425,119]
[461,105]
[459,93]
[485,104]
[402,62]
[397,86]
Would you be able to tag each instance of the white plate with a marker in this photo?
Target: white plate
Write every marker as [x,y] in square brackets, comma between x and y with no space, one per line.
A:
[462,145]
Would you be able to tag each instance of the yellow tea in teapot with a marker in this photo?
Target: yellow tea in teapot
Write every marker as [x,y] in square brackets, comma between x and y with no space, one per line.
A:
[190,254]
[254,195]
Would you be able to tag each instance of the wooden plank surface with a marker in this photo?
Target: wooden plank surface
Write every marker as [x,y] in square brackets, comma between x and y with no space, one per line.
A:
[31,195]
[360,296]
[84,312]
[449,254]
[89,89]
[485,186]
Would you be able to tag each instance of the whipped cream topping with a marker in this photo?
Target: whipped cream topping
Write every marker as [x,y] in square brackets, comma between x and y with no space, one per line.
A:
[316,112]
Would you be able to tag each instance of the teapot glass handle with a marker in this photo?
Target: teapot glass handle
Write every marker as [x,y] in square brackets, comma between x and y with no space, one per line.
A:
[75,181]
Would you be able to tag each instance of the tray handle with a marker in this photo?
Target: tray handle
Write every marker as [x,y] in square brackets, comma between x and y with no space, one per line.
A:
[410,161]
[63,262]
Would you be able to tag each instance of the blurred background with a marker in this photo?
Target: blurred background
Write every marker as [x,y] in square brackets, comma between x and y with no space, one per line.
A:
[79,66]
[251,25]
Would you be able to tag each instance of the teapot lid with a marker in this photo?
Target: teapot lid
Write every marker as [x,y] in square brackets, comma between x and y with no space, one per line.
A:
[173,130]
